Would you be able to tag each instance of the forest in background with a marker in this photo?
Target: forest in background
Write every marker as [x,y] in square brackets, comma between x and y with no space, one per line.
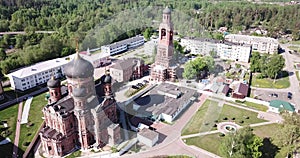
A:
[99,22]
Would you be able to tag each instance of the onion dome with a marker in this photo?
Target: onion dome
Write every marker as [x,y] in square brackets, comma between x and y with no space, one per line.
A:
[107,78]
[53,83]
[167,10]
[79,68]
[79,92]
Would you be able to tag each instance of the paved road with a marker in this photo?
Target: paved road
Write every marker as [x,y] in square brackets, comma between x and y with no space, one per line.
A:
[172,144]
[294,83]
[18,127]
[23,32]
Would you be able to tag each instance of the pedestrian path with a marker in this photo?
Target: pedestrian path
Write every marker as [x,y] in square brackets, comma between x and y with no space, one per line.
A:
[17,136]
[26,110]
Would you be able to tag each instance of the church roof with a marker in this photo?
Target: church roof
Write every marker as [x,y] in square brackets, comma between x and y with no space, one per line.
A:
[53,82]
[79,68]
[167,10]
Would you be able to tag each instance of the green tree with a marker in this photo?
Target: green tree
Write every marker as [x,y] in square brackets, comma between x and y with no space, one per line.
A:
[178,47]
[189,71]
[242,143]
[254,62]
[287,137]
[147,33]
[2,54]
[274,65]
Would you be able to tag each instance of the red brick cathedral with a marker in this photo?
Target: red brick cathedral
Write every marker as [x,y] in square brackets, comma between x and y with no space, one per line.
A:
[165,67]
[85,117]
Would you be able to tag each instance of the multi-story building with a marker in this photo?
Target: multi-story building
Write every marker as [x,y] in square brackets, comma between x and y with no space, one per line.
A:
[201,46]
[83,117]
[234,51]
[128,69]
[37,74]
[260,44]
[165,67]
[123,45]
[224,49]
[98,60]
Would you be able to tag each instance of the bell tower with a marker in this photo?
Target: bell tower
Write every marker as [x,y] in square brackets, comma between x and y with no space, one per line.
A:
[164,67]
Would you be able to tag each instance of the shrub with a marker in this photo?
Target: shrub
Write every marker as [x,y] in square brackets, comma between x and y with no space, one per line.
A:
[241,121]
[206,123]
[216,121]
[26,143]
[233,118]
[225,118]
[215,125]
[240,101]
[221,135]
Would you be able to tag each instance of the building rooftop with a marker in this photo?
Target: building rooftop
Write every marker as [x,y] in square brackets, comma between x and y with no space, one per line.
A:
[251,38]
[242,89]
[154,104]
[124,42]
[147,133]
[280,104]
[126,63]
[39,67]
[214,41]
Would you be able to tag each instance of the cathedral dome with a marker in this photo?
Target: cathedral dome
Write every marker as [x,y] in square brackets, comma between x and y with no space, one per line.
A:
[167,10]
[79,68]
[79,92]
[53,83]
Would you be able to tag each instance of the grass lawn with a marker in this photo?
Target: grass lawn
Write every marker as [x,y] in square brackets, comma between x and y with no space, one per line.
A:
[209,142]
[268,83]
[194,125]
[239,116]
[210,113]
[265,131]
[27,132]
[294,48]
[297,75]
[253,105]
[9,115]
[74,154]
[294,42]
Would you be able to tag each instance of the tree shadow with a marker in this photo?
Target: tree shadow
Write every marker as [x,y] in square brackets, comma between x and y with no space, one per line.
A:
[269,150]
[218,69]
[6,150]
[284,74]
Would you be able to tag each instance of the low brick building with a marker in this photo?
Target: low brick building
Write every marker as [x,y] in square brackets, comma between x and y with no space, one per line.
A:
[241,91]
[128,69]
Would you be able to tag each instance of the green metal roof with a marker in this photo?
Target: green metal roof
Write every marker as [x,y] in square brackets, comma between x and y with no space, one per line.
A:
[283,105]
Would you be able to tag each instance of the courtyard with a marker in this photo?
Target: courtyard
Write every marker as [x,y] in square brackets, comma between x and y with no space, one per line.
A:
[210,113]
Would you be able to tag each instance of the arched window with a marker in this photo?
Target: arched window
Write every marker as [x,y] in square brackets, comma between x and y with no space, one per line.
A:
[163,33]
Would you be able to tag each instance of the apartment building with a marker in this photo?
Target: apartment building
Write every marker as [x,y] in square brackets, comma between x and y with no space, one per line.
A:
[37,74]
[199,45]
[224,49]
[123,45]
[260,44]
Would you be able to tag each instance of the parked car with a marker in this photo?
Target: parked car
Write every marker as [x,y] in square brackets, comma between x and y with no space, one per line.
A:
[140,85]
[274,95]
[145,81]
[290,95]
[134,87]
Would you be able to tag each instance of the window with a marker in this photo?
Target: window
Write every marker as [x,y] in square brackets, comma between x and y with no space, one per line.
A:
[49,148]
[71,125]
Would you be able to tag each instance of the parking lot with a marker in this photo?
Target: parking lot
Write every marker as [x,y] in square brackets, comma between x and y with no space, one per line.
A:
[265,95]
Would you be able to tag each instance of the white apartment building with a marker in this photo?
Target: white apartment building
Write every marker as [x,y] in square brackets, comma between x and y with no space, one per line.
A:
[260,44]
[99,59]
[36,74]
[122,46]
[199,45]
[225,50]
[233,51]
